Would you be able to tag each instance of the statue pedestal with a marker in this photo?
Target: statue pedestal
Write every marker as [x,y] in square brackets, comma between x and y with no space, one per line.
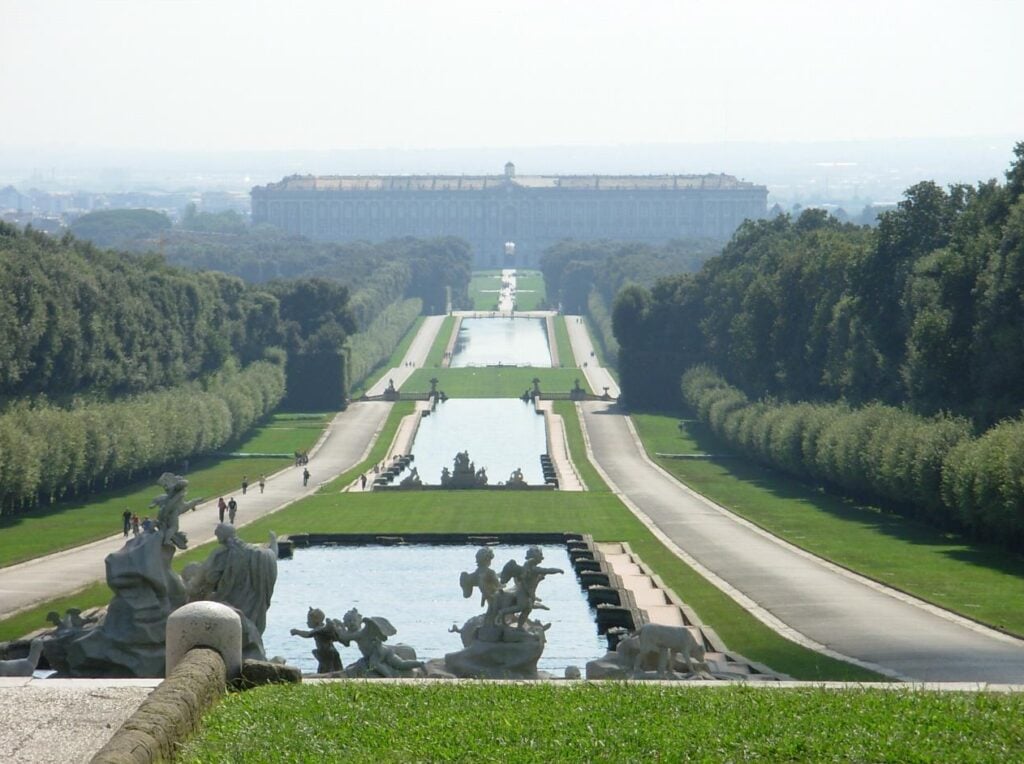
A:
[497,652]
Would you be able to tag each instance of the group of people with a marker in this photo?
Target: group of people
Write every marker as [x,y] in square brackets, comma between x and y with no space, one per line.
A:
[225,509]
[132,524]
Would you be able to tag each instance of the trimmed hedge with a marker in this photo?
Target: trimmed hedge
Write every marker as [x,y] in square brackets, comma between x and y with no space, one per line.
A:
[601,321]
[47,452]
[931,468]
[371,347]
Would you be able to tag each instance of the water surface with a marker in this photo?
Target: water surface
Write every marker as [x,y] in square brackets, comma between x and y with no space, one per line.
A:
[508,341]
[416,587]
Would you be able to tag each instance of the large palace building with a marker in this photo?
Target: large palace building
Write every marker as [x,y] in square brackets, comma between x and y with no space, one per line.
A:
[490,211]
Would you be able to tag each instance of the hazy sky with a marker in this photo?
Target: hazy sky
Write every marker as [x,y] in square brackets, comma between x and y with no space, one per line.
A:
[306,74]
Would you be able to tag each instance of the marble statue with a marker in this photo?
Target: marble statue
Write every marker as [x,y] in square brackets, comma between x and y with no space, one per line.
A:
[242,576]
[23,666]
[527,576]
[378,659]
[653,652]
[128,641]
[503,642]
[322,633]
[665,642]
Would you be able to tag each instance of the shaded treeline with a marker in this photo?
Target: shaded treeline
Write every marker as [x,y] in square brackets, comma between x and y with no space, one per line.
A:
[583,277]
[923,312]
[886,362]
[112,364]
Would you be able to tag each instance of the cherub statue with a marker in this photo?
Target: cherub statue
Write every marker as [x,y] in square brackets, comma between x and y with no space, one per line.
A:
[322,633]
[527,577]
[171,505]
[486,580]
[369,634]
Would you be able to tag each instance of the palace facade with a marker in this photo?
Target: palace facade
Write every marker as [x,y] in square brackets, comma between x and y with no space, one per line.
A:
[489,211]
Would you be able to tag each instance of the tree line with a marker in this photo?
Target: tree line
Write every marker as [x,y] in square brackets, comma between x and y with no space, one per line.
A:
[583,277]
[48,452]
[923,311]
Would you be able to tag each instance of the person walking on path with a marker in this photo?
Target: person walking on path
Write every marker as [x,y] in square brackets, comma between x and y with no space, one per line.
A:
[147,525]
[222,507]
[135,524]
[245,484]
[362,481]
[232,510]
[263,482]
[305,477]
[126,521]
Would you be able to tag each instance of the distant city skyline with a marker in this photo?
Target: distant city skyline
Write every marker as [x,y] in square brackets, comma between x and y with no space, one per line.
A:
[313,75]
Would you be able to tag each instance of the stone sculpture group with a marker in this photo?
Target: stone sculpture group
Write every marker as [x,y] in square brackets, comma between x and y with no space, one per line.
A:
[129,639]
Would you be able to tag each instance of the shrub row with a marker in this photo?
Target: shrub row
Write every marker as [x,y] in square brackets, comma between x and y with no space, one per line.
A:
[932,468]
[370,348]
[47,452]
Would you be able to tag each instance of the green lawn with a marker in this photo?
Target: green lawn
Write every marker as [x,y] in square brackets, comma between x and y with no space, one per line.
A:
[483,289]
[565,355]
[377,722]
[436,355]
[493,381]
[978,581]
[530,294]
[72,523]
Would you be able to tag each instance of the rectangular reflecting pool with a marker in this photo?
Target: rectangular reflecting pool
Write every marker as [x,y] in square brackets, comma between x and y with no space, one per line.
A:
[509,341]
[500,434]
[416,587]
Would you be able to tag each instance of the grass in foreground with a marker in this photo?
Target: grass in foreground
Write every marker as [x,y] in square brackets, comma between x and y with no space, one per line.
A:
[978,581]
[493,381]
[376,722]
[72,523]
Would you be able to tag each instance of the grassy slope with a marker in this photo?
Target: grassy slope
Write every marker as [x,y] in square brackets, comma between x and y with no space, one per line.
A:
[69,524]
[979,581]
[613,722]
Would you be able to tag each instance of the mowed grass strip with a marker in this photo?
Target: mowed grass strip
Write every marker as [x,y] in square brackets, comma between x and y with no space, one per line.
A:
[565,354]
[614,722]
[494,381]
[483,289]
[436,355]
[530,293]
[72,523]
[977,580]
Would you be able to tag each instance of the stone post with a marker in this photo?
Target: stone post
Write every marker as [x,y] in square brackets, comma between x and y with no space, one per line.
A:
[205,624]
